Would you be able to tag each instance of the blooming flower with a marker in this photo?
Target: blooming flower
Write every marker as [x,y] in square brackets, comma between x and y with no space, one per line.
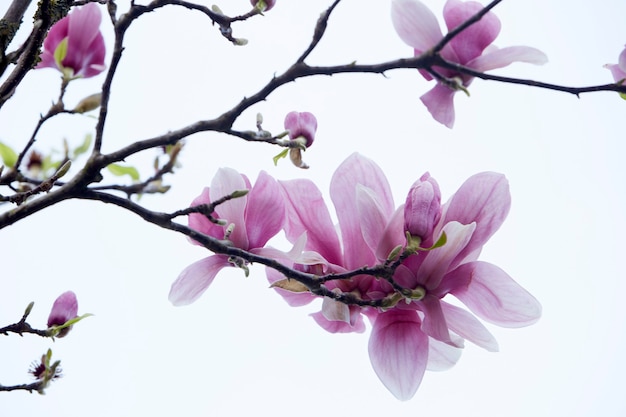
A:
[65,308]
[618,70]
[417,26]
[263,5]
[419,330]
[301,128]
[75,45]
[251,221]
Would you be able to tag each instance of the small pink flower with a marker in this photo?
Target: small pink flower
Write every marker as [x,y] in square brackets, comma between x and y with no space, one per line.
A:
[263,5]
[302,128]
[301,125]
[250,220]
[417,26]
[75,45]
[65,308]
[618,70]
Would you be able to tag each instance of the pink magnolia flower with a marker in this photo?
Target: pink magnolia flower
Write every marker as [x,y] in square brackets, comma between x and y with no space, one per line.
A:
[250,222]
[263,5]
[417,26]
[618,70]
[75,45]
[421,331]
[65,308]
[301,128]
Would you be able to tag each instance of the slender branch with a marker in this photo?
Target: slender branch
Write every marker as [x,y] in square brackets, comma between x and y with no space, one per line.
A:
[320,29]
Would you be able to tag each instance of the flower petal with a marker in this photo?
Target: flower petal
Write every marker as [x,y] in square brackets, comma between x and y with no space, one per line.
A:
[468,327]
[439,102]
[195,279]
[226,181]
[398,351]
[200,222]
[442,356]
[499,58]
[493,295]
[471,42]
[306,211]
[356,324]
[357,169]
[265,211]
[484,198]
[371,217]
[416,25]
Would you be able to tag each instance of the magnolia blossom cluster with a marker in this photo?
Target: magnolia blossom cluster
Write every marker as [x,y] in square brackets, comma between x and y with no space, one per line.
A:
[435,248]
[473,48]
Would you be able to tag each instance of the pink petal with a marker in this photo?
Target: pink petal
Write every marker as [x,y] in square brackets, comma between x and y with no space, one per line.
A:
[195,279]
[434,322]
[470,43]
[356,324]
[499,58]
[357,169]
[301,124]
[468,327]
[200,222]
[393,235]
[226,181]
[622,60]
[306,211]
[398,351]
[265,211]
[437,261]
[484,198]
[493,295]
[442,356]
[85,42]
[370,213]
[416,25]
[440,104]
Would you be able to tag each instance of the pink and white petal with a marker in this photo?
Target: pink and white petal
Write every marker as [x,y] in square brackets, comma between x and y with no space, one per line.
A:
[616,71]
[335,311]
[493,295]
[416,25]
[265,211]
[398,351]
[357,169]
[306,211]
[437,261]
[468,327]
[621,62]
[225,182]
[195,279]
[371,216]
[83,28]
[434,322]
[200,222]
[333,326]
[442,356]
[471,42]
[440,103]
[500,58]
[93,63]
[393,235]
[484,198]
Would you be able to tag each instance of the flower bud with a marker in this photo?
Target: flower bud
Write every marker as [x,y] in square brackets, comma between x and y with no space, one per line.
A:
[263,5]
[422,209]
[65,308]
[301,125]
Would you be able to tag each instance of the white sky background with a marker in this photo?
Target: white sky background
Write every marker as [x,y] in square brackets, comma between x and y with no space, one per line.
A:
[240,350]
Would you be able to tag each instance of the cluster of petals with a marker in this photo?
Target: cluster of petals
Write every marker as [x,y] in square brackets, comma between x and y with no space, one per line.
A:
[301,127]
[65,308]
[418,27]
[618,70]
[248,223]
[74,45]
[419,329]
[414,334]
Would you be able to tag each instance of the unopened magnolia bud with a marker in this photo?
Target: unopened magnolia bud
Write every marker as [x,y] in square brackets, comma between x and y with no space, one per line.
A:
[422,209]
[89,103]
[65,308]
[301,125]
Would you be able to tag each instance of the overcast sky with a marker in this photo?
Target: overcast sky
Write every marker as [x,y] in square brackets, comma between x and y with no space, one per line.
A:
[240,350]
